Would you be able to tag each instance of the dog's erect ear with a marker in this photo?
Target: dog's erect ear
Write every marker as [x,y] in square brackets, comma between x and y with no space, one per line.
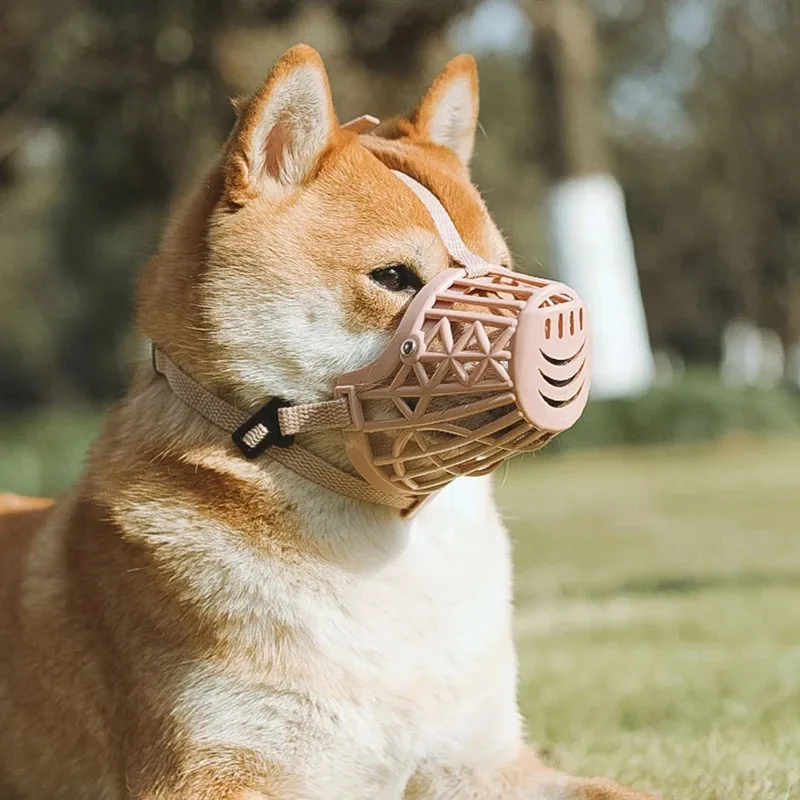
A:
[283,129]
[448,113]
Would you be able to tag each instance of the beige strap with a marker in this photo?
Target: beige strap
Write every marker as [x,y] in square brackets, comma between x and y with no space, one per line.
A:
[473,264]
[362,124]
[207,405]
[292,419]
[303,418]
[314,417]
[316,469]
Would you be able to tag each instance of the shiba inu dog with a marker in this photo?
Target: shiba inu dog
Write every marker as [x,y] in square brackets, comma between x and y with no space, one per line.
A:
[189,624]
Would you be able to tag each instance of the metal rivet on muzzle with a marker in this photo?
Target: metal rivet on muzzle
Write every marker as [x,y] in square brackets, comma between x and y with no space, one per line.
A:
[408,347]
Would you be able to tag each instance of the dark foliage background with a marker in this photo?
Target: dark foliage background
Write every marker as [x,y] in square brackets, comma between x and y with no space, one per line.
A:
[107,107]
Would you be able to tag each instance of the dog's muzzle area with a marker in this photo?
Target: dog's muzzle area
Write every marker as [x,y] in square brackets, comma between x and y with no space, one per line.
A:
[485,363]
[481,367]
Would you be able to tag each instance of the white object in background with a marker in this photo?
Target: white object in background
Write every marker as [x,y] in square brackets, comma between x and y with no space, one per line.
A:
[741,353]
[773,359]
[592,251]
[793,365]
[751,356]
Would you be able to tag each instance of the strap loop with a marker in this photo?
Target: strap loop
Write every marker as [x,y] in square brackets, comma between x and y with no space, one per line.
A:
[262,430]
[288,421]
[314,416]
[473,264]
[271,430]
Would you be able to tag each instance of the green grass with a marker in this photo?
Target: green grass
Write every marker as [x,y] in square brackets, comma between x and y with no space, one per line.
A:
[658,604]
[658,615]
[42,453]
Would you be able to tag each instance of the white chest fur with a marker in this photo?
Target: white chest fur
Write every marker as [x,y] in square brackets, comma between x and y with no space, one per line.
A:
[399,654]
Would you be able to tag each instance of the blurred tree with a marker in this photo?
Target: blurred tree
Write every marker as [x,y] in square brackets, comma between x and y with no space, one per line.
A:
[745,107]
[108,106]
[135,96]
[590,239]
[707,142]
[565,68]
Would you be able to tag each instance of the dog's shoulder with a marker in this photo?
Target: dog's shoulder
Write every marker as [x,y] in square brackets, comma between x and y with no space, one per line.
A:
[20,519]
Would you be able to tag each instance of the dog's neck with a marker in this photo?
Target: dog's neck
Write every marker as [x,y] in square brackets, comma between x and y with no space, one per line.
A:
[233,543]
[152,432]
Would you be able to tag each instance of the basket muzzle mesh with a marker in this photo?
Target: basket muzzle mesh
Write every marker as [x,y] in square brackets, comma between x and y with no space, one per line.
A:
[479,369]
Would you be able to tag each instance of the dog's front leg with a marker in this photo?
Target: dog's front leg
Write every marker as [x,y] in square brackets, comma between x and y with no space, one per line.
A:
[218,776]
[214,791]
[525,778]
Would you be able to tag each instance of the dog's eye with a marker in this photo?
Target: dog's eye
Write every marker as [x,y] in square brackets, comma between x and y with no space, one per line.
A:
[396,278]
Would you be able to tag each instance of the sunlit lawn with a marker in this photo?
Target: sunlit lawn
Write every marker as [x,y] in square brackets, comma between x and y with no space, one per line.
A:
[658,596]
[658,605]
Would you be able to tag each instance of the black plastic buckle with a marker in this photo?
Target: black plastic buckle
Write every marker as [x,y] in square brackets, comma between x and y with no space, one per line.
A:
[268,417]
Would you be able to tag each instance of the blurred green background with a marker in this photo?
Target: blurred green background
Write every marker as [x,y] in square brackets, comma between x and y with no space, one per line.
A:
[658,595]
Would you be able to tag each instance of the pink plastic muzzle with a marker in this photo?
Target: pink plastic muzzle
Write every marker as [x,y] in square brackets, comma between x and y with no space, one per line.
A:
[480,368]
[484,364]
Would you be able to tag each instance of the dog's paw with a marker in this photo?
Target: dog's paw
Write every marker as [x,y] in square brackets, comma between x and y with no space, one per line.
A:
[605,789]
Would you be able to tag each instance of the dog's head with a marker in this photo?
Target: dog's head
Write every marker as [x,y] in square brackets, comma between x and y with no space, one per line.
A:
[295,260]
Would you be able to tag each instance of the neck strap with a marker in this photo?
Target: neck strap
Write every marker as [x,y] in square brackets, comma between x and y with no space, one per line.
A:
[272,429]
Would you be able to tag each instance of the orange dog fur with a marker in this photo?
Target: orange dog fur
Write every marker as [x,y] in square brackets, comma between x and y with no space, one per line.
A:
[189,625]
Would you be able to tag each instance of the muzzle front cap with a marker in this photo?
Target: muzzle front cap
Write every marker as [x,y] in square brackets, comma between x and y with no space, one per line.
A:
[479,369]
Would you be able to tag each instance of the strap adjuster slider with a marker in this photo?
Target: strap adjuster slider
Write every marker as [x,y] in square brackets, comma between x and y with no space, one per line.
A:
[262,431]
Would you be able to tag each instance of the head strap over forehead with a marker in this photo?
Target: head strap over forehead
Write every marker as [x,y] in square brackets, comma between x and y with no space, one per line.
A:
[271,429]
[474,265]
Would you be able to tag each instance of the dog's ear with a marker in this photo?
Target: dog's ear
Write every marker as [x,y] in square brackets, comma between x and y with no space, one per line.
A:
[283,129]
[448,113]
